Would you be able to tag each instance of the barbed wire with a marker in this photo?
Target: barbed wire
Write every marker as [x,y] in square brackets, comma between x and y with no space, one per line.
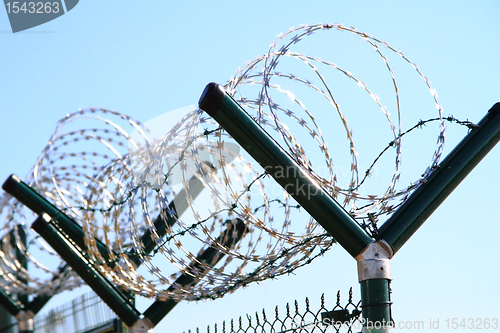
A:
[189,189]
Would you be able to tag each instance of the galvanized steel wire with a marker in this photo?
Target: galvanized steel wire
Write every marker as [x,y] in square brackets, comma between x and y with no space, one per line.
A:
[112,175]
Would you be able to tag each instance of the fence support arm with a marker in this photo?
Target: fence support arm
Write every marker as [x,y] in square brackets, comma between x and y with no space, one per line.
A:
[275,161]
[178,206]
[211,256]
[442,181]
[85,269]
[38,204]
[9,304]
[25,317]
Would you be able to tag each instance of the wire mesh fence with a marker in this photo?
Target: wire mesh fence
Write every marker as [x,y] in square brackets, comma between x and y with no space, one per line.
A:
[298,318]
[83,314]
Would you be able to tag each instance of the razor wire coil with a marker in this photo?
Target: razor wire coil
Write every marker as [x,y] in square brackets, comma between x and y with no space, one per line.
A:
[189,188]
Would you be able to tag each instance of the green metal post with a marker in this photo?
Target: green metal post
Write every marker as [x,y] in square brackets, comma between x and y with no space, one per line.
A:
[179,205]
[211,256]
[373,263]
[374,276]
[56,238]
[29,197]
[12,307]
[38,204]
[9,307]
[376,305]
[20,256]
[373,257]
[275,161]
[8,310]
[6,320]
[442,181]
[25,319]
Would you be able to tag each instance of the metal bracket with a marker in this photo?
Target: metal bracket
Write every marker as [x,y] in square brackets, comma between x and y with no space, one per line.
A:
[25,321]
[374,262]
[376,250]
[143,325]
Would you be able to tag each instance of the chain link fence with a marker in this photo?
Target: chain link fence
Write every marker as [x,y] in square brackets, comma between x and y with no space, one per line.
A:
[296,318]
[89,314]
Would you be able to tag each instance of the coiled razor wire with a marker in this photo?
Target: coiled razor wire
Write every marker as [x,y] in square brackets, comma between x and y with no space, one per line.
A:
[81,143]
[112,175]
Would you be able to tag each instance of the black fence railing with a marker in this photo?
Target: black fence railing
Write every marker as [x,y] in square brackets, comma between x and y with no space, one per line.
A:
[89,314]
[335,318]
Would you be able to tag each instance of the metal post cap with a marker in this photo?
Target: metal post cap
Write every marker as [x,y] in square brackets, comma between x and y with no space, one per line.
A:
[211,98]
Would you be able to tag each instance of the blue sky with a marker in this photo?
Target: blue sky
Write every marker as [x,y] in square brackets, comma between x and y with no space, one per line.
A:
[144,59]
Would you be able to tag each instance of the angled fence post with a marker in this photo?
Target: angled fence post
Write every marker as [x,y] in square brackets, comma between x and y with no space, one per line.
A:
[85,269]
[211,256]
[319,204]
[292,177]
[178,206]
[55,236]
[373,255]
[38,204]
[9,304]
[16,308]
[25,317]
[442,181]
